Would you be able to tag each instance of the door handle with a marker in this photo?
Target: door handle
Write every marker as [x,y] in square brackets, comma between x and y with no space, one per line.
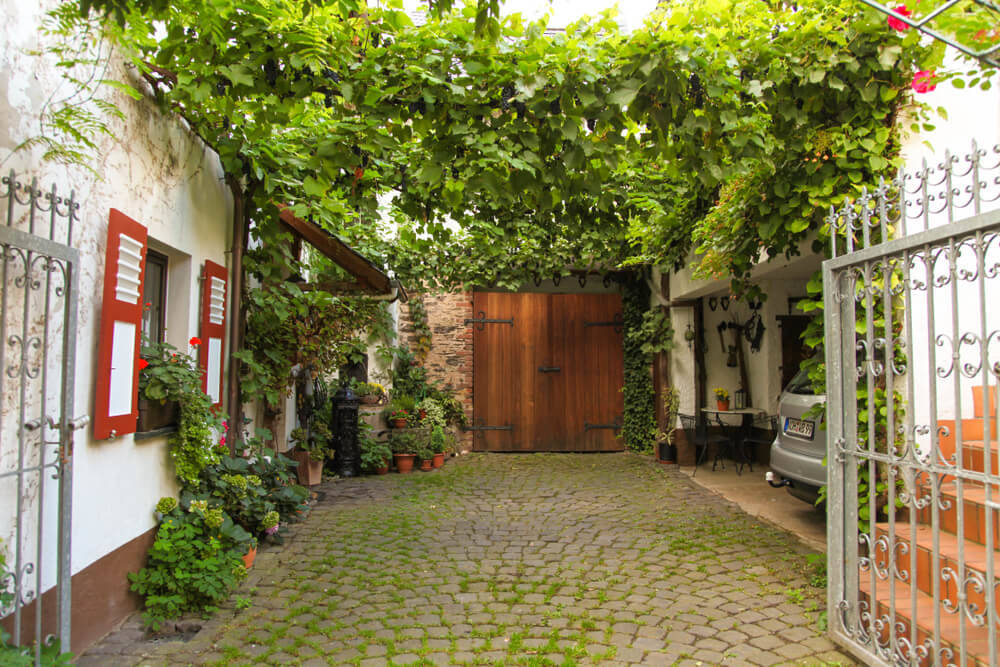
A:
[548,369]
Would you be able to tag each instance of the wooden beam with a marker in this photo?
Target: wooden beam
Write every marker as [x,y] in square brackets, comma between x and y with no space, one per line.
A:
[370,278]
[333,287]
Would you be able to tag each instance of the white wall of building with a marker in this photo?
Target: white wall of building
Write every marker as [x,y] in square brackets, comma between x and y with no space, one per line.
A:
[153,170]
[973,115]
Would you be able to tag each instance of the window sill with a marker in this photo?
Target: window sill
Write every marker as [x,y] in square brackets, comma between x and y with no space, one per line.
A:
[155,433]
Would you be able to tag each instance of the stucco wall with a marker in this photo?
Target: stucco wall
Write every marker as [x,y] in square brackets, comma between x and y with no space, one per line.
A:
[157,173]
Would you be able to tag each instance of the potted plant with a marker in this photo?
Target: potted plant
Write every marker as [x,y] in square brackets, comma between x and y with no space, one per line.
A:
[398,418]
[438,445]
[311,450]
[162,375]
[400,410]
[375,454]
[370,393]
[425,455]
[721,398]
[166,374]
[667,449]
[403,446]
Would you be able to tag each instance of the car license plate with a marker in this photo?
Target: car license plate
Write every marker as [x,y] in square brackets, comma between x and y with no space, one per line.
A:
[799,427]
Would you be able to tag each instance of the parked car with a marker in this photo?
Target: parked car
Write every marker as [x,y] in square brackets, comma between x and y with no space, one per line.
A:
[798,450]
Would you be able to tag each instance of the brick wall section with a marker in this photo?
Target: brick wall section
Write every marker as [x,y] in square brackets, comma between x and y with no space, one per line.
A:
[450,359]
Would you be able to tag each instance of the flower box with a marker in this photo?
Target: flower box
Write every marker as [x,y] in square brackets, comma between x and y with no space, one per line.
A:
[154,415]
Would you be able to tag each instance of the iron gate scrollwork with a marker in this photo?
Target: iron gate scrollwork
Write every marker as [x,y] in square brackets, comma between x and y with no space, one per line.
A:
[38,319]
[913,368]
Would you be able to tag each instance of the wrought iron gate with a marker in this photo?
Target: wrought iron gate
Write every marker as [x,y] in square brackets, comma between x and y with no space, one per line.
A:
[38,318]
[912,298]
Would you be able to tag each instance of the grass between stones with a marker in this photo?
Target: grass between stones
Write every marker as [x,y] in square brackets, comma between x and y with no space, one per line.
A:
[522,560]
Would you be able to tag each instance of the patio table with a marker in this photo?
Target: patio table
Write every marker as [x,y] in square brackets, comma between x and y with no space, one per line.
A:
[736,431]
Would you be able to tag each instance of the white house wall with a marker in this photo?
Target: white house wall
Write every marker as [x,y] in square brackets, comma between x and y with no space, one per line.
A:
[973,115]
[157,173]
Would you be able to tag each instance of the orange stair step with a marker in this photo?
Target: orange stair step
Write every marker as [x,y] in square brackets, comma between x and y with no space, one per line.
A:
[976,636]
[974,507]
[975,557]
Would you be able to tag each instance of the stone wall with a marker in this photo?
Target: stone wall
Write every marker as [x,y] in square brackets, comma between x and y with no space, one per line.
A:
[450,359]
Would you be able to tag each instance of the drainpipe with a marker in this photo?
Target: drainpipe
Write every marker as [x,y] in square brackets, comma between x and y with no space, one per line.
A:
[237,317]
[700,378]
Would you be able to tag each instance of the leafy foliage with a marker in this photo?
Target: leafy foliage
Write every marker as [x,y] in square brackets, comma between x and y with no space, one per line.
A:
[421,327]
[193,565]
[728,122]
[639,428]
[234,486]
[171,375]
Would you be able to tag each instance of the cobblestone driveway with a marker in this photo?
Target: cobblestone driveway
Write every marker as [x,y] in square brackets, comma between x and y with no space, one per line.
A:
[520,559]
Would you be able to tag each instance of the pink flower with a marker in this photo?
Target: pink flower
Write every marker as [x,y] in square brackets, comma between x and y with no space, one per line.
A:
[225,425]
[896,24]
[272,530]
[923,81]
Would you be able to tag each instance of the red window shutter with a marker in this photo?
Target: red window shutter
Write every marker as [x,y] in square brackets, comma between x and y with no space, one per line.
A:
[116,406]
[213,330]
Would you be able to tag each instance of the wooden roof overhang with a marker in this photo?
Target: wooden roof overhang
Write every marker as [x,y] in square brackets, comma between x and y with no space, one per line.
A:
[368,279]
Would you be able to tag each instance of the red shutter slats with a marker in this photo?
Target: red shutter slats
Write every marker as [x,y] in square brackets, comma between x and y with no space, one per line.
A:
[213,330]
[116,406]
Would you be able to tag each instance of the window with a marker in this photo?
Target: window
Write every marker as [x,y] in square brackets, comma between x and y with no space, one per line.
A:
[154,297]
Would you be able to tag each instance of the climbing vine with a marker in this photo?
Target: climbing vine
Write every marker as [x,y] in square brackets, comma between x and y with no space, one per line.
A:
[639,428]
[421,328]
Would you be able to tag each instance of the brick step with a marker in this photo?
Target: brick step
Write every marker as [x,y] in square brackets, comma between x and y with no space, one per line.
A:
[973,437]
[974,507]
[976,637]
[975,557]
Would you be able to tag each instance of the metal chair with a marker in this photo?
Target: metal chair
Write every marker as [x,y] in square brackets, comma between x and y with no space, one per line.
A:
[762,432]
[696,431]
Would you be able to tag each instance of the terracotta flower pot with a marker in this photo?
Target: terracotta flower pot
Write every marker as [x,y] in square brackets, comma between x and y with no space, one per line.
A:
[722,405]
[438,460]
[427,465]
[309,472]
[399,423]
[248,559]
[404,462]
[383,469]
[369,400]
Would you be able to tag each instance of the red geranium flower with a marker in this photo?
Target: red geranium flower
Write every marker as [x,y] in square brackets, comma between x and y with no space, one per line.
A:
[923,81]
[896,24]
[142,364]
[195,340]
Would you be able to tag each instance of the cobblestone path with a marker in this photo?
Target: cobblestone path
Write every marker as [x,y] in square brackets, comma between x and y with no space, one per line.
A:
[544,559]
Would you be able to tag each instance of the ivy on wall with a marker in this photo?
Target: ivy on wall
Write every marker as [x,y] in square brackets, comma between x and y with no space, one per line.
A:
[421,328]
[639,429]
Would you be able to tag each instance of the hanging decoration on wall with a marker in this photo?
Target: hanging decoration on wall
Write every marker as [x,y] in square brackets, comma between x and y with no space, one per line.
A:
[754,331]
[718,302]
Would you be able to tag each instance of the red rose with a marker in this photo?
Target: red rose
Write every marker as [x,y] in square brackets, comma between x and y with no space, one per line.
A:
[195,340]
[923,81]
[896,24]
[142,364]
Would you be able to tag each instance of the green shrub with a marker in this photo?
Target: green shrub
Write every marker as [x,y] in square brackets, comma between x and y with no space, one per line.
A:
[374,453]
[194,564]
[438,440]
[402,442]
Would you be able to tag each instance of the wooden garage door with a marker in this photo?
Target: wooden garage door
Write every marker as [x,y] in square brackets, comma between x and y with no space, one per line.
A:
[548,372]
